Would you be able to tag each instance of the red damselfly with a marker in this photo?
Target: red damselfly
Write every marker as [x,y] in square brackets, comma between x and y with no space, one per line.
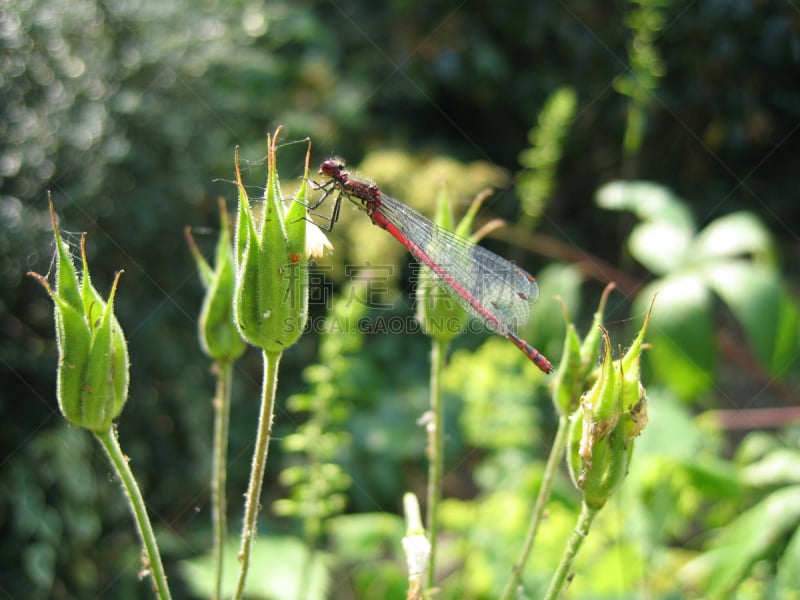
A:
[491,288]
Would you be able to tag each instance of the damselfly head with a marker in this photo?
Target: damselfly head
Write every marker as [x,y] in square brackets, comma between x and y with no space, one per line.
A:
[333,167]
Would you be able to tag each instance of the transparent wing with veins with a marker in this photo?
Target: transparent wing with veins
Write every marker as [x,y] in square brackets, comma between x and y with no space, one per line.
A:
[496,284]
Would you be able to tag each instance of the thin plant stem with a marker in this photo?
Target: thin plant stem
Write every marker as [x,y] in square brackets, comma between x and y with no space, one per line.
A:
[108,439]
[556,452]
[222,411]
[436,452]
[253,499]
[570,552]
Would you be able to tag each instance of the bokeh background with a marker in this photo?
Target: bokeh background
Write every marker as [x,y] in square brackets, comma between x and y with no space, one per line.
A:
[128,114]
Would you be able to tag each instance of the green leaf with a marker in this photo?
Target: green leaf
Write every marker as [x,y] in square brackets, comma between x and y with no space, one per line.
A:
[788,575]
[281,567]
[780,467]
[735,235]
[602,577]
[648,201]
[660,246]
[681,334]
[661,241]
[495,386]
[364,536]
[39,563]
[762,306]
[668,418]
[754,535]
[757,446]
[713,478]
[546,327]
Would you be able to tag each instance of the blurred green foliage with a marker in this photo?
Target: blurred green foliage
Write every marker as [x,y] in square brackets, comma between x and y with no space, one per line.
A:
[536,183]
[646,20]
[286,569]
[733,257]
[129,113]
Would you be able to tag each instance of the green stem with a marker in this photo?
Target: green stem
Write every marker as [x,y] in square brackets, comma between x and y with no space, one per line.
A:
[252,501]
[570,552]
[556,452]
[222,411]
[110,444]
[436,452]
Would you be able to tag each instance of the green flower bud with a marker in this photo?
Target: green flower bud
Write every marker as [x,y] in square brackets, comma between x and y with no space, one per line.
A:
[271,292]
[568,383]
[92,378]
[597,463]
[578,359]
[592,340]
[416,546]
[219,336]
[612,414]
[441,316]
[634,396]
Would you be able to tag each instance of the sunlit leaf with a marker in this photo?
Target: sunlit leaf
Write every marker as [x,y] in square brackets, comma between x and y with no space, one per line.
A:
[667,416]
[660,245]
[780,467]
[788,573]
[602,577]
[647,200]
[364,536]
[735,235]
[281,567]
[757,446]
[681,334]
[660,241]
